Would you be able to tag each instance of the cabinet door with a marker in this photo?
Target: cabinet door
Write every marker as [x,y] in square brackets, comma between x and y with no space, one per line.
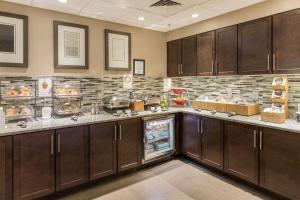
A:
[34,164]
[212,142]
[129,144]
[189,56]
[254,51]
[280,162]
[103,146]
[72,160]
[241,151]
[174,58]
[226,51]
[205,53]
[191,138]
[5,168]
[286,39]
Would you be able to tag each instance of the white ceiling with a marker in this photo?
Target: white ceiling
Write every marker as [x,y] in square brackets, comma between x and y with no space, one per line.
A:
[156,18]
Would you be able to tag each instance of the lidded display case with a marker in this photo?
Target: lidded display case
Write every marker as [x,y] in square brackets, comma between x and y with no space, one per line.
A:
[66,97]
[18,98]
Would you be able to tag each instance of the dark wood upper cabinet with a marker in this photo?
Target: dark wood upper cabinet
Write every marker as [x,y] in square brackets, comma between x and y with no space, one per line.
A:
[6,168]
[255,46]
[189,56]
[226,51]
[280,162]
[103,150]
[286,40]
[241,151]
[72,157]
[34,165]
[191,136]
[212,142]
[129,144]
[174,58]
[205,53]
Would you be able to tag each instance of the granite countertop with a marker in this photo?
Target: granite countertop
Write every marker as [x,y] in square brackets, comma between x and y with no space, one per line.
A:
[40,125]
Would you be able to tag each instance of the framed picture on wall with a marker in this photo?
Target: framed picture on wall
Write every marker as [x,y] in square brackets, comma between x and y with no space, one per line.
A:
[117,50]
[71,46]
[139,67]
[13,40]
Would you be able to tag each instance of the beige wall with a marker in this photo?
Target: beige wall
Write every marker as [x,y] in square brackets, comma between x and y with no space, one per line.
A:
[263,9]
[146,44]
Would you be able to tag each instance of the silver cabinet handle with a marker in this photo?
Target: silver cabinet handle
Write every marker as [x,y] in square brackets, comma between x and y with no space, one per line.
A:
[268,62]
[260,140]
[58,143]
[201,126]
[198,126]
[179,69]
[274,62]
[212,66]
[120,131]
[254,138]
[52,144]
[115,132]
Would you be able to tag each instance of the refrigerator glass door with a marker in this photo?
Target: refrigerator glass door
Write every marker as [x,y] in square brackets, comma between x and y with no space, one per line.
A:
[158,138]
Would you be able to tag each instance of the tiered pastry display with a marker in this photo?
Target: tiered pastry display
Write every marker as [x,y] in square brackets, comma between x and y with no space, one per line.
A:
[17,91]
[278,111]
[18,98]
[67,98]
[18,112]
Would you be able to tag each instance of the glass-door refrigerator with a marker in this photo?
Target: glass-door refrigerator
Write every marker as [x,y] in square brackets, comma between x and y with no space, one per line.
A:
[159,138]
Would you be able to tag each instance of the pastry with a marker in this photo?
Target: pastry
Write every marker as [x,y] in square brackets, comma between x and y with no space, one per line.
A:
[24,91]
[11,93]
[11,112]
[25,111]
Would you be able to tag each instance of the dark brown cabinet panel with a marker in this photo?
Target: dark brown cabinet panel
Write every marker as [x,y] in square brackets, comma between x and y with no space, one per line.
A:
[72,158]
[174,58]
[254,46]
[129,144]
[34,165]
[5,168]
[241,151]
[205,53]
[280,162]
[286,39]
[103,150]
[191,136]
[189,56]
[226,51]
[212,142]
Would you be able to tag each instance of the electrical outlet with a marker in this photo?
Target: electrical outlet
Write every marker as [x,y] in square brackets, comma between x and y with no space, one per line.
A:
[229,93]
[255,96]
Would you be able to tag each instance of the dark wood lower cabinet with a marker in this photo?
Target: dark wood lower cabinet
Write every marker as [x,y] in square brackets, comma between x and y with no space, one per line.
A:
[241,151]
[103,150]
[191,138]
[34,164]
[129,145]
[280,162]
[6,168]
[212,142]
[72,157]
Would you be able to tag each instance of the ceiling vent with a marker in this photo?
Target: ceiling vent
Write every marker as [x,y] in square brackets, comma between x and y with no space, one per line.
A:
[165,3]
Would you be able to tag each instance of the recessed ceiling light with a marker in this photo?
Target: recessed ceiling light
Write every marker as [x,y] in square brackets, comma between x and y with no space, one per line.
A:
[195,15]
[62,1]
[141,18]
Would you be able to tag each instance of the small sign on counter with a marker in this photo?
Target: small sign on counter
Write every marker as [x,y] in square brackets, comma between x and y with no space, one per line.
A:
[45,87]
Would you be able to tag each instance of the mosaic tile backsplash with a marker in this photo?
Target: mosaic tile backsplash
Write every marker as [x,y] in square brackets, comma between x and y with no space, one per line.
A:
[256,87]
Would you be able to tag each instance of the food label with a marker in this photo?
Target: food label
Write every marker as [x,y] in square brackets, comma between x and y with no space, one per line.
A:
[45,87]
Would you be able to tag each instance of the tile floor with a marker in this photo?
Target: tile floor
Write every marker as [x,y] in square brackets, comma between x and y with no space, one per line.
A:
[174,180]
